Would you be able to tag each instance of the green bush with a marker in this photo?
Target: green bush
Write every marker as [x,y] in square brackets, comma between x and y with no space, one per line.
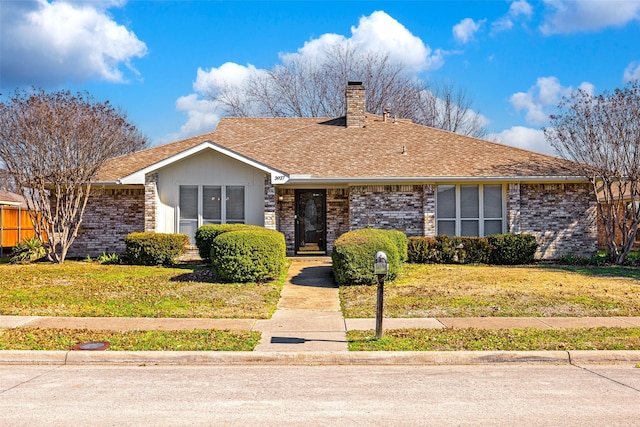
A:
[419,249]
[496,249]
[248,255]
[471,250]
[155,248]
[447,250]
[108,259]
[27,251]
[512,249]
[205,235]
[353,254]
[401,241]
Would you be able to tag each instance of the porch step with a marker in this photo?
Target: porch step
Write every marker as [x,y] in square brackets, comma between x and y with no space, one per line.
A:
[190,254]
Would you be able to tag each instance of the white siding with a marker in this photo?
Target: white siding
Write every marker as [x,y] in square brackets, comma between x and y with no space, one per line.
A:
[208,168]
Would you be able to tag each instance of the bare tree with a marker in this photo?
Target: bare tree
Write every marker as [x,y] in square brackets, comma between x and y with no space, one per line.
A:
[303,87]
[53,144]
[445,106]
[602,134]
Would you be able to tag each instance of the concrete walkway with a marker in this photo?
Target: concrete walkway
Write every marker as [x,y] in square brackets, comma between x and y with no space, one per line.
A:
[308,317]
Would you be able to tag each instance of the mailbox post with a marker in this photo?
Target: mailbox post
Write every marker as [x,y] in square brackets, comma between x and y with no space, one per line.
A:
[381,268]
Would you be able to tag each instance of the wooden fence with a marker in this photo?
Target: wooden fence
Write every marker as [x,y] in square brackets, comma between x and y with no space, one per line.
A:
[15,226]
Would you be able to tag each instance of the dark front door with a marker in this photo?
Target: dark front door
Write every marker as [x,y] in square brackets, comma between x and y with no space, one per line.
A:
[310,222]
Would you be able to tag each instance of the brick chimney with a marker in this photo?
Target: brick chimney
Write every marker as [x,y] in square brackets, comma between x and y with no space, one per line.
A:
[355,104]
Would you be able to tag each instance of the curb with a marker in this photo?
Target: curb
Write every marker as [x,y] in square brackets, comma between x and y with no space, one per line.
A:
[19,357]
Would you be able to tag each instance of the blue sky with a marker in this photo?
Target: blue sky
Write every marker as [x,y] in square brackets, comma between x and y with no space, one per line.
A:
[158,59]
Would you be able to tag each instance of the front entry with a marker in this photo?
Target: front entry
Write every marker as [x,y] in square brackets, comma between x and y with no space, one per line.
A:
[311,222]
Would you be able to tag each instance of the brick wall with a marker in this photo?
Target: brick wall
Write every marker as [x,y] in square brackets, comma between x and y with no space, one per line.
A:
[429,210]
[150,201]
[269,203]
[562,217]
[285,217]
[337,214]
[110,215]
[393,207]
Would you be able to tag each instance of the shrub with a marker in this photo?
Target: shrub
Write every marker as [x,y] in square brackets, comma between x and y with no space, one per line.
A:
[594,260]
[108,259]
[27,251]
[205,235]
[401,242]
[512,249]
[353,254]
[419,249]
[155,248]
[471,250]
[248,255]
[445,250]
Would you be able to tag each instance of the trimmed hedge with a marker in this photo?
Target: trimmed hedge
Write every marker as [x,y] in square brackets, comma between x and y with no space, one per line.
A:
[495,249]
[155,248]
[205,235]
[512,249]
[248,255]
[353,254]
[402,243]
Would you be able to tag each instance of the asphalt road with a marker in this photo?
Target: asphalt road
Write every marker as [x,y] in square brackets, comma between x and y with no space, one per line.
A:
[531,395]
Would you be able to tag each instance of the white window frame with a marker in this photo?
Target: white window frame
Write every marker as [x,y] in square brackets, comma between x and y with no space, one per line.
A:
[223,204]
[481,218]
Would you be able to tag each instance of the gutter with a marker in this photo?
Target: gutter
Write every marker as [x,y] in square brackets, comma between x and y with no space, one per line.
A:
[307,179]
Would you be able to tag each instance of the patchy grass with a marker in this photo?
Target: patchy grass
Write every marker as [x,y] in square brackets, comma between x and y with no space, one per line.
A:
[192,340]
[94,290]
[478,291]
[502,339]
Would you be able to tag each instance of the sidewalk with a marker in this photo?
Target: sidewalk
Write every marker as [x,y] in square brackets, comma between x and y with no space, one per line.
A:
[309,319]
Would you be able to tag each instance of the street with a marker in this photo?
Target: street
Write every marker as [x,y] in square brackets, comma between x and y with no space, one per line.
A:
[503,394]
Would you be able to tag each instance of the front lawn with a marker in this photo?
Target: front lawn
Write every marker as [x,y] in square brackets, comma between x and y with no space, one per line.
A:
[192,340]
[433,290]
[528,339]
[80,289]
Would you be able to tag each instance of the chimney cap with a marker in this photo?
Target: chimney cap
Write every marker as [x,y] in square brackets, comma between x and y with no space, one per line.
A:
[354,83]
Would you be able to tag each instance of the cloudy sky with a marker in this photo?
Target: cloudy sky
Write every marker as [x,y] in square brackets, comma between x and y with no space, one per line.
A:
[158,59]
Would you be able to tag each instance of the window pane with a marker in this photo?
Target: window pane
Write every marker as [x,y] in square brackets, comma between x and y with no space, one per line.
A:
[447,227]
[493,226]
[188,227]
[211,204]
[470,228]
[235,204]
[189,202]
[446,201]
[492,197]
[469,201]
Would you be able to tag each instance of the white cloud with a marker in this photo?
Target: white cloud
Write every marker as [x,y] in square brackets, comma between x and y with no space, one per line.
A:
[377,32]
[523,137]
[546,94]
[518,10]
[632,72]
[465,31]
[47,43]
[570,16]
[202,115]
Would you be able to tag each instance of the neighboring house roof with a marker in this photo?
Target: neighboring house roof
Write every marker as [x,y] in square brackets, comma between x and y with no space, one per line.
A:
[12,199]
[321,149]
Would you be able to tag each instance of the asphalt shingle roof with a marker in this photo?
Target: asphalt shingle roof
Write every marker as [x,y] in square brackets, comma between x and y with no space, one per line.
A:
[326,149]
